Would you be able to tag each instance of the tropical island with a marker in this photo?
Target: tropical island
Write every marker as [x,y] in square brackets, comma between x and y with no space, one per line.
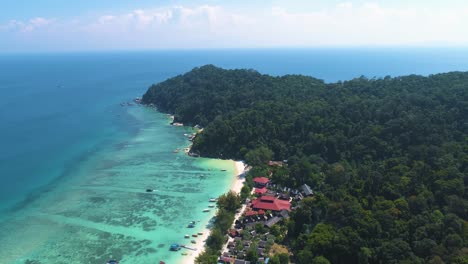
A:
[386,161]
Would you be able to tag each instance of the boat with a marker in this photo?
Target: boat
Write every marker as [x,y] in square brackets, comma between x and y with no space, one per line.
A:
[206,210]
[184,254]
[200,233]
[211,206]
[193,242]
[149,190]
[194,235]
[175,247]
[112,262]
[212,200]
[186,236]
[223,170]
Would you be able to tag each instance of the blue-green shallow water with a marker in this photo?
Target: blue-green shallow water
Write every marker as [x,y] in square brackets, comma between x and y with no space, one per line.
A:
[74,163]
[101,210]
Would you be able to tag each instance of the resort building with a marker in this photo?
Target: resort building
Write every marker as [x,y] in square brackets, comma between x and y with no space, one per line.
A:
[261,182]
[270,203]
[261,191]
[306,190]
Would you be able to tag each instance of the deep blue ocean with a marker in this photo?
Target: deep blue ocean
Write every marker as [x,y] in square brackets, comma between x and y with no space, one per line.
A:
[54,108]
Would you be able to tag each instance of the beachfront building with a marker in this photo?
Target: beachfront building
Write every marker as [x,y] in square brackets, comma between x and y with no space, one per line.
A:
[261,182]
[271,203]
[261,191]
[260,185]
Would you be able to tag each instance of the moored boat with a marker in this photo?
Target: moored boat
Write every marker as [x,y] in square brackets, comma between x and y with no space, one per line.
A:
[175,247]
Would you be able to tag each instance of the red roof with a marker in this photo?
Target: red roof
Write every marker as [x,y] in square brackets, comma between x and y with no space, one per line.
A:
[260,212]
[261,190]
[271,203]
[226,259]
[263,180]
[249,213]
[268,198]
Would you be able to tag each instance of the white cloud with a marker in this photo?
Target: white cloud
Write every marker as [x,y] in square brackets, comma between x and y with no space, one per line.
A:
[26,26]
[210,26]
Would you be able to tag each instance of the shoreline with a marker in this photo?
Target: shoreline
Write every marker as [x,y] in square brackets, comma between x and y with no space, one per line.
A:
[237,183]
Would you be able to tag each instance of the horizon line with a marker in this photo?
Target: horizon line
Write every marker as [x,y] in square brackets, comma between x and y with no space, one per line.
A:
[194,49]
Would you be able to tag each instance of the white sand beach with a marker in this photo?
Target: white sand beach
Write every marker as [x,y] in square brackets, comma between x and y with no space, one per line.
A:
[236,186]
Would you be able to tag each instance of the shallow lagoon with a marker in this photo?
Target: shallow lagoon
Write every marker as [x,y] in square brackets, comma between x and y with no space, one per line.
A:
[100,209]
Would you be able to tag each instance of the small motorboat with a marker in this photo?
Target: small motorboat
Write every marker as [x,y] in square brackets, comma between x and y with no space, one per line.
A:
[187,236]
[223,170]
[112,262]
[194,235]
[175,247]
[193,242]
[212,200]
[149,190]
[200,233]
[206,210]
[211,206]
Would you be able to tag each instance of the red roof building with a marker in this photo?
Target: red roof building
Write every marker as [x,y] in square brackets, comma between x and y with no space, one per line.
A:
[250,213]
[261,190]
[270,203]
[261,181]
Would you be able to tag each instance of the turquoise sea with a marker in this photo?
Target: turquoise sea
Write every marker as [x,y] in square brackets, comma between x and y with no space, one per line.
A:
[75,162]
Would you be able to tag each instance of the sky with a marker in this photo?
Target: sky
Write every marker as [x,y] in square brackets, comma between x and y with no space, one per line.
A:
[86,25]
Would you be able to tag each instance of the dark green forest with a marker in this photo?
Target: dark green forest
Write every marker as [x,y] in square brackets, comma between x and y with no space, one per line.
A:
[387,157]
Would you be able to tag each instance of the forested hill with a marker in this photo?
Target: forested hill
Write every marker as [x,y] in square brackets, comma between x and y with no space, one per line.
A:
[388,156]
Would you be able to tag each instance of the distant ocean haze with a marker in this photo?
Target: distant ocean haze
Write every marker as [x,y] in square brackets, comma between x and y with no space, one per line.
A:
[74,161]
